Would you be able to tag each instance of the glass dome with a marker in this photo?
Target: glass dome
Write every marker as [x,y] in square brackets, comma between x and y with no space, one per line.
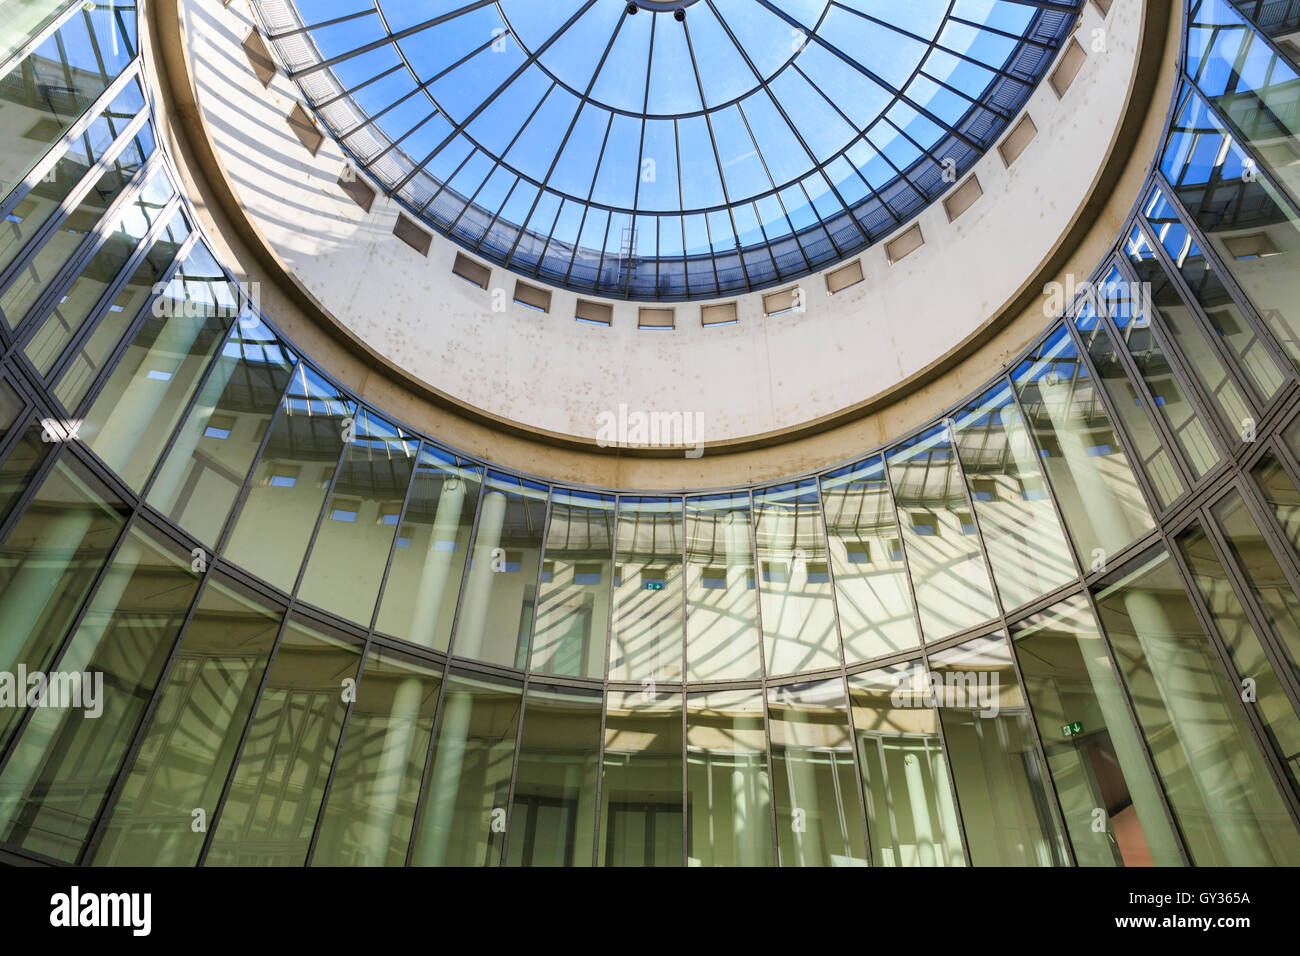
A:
[666,149]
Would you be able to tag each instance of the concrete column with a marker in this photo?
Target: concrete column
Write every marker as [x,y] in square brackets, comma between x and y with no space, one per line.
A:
[470,629]
[391,771]
[432,589]
[444,782]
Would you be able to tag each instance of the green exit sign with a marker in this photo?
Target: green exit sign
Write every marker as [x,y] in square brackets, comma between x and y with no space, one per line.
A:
[1071,730]
[654,585]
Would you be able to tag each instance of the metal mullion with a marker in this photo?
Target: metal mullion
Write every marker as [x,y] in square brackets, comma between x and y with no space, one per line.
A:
[75,195]
[460,127]
[1215,264]
[1278,546]
[1228,669]
[50,158]
[397,530]
[844,676]
[1139,385]
[97,312]
[1181,369]
[1191,300]
[924,658]
[1102,400]
[388,38]
[308,28]
[1243,142]
[215,818]
[88,246]
[74,198]
[70,633]
[537,590]
[37,39]
[338,752]
[722,179]
[109,803]
[327,500]
[1274,648]
[586,208]
[763,680]
[597,846]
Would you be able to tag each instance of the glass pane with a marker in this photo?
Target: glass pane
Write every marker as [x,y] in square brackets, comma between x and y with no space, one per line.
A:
[1133,320]
[75,305]
[58,247]
[1094,754]
[351,549]
[1084,460]
[721,611]
[1244,643]
[1026,546]
[212,453]
[875,606]
[1248,83]
[131,421]
[1213,771]
[1129,405]
[69,754]
[646,642]
[641,782]
[91,357]
[45,198]
[463,813]
[1241,214]
[910,810]
[1179,321]
[496,616]
[44,93]
[1226,318]
[949,575]
[798,609]
[20,466]
[23,19]
[1265,577]
[190,744]
[419,600]
[819,818]
[48,564]
[269,815]
[728,802]
[553,813]
[573,610]
[367,819]
[1005,799]
[276,522]
[1281,495]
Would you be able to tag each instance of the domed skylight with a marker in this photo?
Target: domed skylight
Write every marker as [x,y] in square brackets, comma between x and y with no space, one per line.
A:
[666,150]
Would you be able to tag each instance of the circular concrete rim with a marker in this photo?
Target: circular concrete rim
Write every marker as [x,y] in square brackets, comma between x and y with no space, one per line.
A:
[167,69]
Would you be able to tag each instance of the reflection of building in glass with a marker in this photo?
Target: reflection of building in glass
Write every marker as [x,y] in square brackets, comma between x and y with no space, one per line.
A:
[341,640]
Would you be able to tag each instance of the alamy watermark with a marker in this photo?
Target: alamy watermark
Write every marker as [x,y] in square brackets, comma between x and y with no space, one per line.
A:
[70,690]
[967,690]
[624,428]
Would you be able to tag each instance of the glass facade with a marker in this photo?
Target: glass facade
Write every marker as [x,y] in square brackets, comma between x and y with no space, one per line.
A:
[269,624]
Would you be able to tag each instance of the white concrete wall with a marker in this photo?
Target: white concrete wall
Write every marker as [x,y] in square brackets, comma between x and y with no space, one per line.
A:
[760,376]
